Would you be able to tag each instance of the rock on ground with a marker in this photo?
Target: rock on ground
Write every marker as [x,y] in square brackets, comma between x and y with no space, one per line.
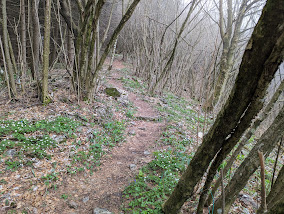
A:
[101,211]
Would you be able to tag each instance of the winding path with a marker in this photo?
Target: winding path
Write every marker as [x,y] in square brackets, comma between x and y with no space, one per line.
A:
[104,188]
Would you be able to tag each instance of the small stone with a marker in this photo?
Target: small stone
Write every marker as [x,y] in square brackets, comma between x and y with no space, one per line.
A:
[164,101]
[246,211]
[132,132]
[35,188]
[38,164]
[142,128]
[132,167]
[132,123]
[248,201]
[73,204]
[200,134]
[147,153]
[72,153]
[17,176]
[59,138]
[80,129]
[101,211]
[35,211]
[118,163]
[11,152]
[86,199]
[6,196]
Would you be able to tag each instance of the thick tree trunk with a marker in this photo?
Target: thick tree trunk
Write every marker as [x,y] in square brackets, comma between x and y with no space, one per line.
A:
[243,104]
[278,208]
[46,52]
[265,144]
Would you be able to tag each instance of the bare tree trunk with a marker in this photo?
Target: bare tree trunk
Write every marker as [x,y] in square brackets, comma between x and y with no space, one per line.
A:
[262,176]
[6,49]
[266,144]
[275,199]
[254,76]
[24,44]
[71,51]
[5,69]
[169,63]
[36,37]
[246,137]
[46,51]
[112,55]
[55,42]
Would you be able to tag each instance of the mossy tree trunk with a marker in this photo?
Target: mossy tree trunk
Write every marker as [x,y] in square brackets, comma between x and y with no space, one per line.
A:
[244,103]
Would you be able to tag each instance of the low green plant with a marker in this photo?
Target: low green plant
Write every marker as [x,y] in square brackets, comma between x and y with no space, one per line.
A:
[111,134]
[64,196]
[50,179]
[26,144]
[155,181]
[13,165]
[133,84]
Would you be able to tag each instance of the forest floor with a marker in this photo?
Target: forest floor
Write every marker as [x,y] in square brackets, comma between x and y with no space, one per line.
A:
[73,157]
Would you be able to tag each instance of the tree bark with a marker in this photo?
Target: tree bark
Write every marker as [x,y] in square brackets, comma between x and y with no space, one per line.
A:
[275,198]
[260,118]
[245,101]
[46,52]
[6,49]
[266,144]
[24,44]
[36,36]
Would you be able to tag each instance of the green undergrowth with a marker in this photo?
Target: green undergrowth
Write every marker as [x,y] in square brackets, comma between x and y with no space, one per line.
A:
[156,180]
[101,140]
[133,84]
[179,109]
[31,138]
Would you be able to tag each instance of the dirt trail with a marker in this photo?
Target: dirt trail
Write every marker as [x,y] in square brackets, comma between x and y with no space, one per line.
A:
[104,188]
